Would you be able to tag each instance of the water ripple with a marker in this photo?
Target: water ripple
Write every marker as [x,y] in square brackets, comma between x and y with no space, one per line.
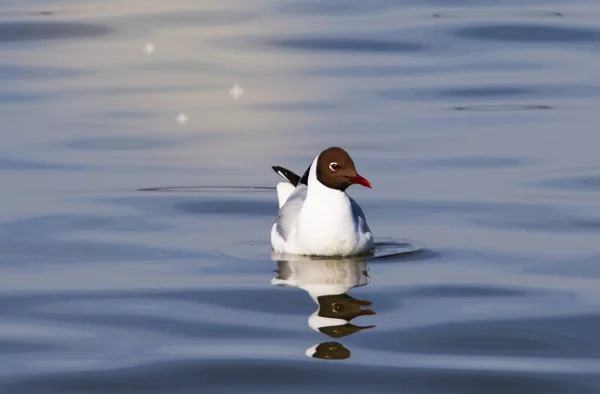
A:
[341,44]
[297,377]
[528,33]
[36,31]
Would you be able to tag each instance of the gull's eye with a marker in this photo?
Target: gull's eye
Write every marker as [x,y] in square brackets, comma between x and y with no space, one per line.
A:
[333,166]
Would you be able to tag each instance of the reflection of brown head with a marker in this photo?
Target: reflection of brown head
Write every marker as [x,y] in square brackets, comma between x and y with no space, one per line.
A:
[342,306]
[342,331]
[331,351]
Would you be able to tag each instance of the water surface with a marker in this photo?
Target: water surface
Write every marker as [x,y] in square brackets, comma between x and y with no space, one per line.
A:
[134,250]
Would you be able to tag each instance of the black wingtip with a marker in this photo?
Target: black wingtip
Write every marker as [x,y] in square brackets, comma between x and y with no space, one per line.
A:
[286,174]
[279,170]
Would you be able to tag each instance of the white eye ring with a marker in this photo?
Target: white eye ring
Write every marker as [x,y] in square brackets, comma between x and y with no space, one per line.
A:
[333,166]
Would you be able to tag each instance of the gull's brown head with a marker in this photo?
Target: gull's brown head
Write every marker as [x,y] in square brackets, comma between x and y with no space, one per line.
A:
[335,169]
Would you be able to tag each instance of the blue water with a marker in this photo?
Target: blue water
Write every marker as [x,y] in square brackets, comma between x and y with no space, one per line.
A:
[134,249]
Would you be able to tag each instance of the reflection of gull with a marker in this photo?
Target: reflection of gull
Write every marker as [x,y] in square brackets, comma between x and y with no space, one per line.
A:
[334,315]
[327,282]
[319,277]
[328,351]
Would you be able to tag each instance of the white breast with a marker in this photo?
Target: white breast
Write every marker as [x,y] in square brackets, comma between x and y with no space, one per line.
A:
[326,224]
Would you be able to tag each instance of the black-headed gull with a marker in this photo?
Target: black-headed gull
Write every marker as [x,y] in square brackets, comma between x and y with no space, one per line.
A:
[316,216]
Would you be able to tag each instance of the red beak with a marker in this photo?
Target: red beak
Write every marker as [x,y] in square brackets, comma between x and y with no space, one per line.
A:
[360,180]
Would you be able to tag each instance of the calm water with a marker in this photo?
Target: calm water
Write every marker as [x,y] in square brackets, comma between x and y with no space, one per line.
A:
[476,122]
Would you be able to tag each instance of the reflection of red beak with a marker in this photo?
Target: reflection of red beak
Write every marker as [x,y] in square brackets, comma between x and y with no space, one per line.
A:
[365,327]
[360,180]
[366,312]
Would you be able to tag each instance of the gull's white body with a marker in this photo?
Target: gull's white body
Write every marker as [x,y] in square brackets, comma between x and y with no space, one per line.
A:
[317,220]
